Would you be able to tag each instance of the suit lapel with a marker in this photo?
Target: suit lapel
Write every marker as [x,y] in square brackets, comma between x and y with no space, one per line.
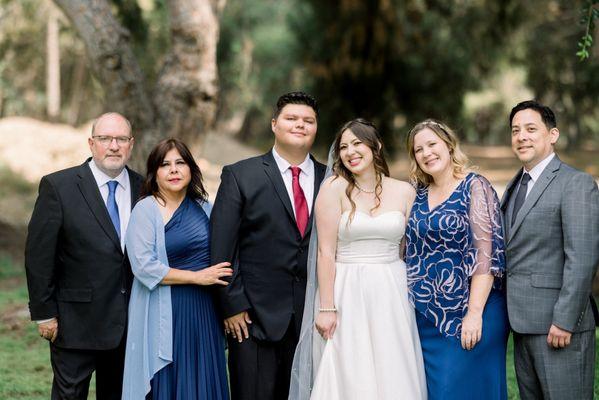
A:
[537,190]
[91,193]
[319,171]
[505,204]
[508,191]
[135,182]
[273,173]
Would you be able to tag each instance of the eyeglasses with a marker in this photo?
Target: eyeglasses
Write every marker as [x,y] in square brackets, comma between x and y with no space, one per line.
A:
[107,140]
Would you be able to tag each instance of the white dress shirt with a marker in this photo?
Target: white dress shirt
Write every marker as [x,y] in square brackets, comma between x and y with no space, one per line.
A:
[535,172]
[306,178]
[122,194]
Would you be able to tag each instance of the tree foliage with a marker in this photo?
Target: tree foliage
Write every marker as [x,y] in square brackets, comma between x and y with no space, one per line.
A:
[22,64]
[556,76]
[393,61]
[258,57]
[590,12]
[397,62]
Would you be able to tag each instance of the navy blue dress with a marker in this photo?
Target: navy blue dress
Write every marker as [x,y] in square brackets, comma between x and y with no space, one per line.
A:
[446,246]
[198,370]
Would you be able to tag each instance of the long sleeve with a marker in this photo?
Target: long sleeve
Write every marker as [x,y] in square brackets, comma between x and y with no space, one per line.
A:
[485,225]
[141,244]
[580,226]
[40,252]
[225,221]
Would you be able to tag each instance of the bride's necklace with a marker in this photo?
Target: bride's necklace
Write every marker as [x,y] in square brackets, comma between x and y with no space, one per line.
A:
[363,190]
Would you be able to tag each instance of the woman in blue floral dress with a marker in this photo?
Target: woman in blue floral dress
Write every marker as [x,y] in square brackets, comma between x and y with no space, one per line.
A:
[455,260]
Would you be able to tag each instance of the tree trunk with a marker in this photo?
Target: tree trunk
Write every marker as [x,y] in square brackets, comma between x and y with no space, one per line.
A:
[52,65]
[77,92]
[112,61]
[184,100]
[187,88]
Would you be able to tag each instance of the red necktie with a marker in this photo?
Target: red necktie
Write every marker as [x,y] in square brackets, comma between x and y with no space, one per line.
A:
[299,200]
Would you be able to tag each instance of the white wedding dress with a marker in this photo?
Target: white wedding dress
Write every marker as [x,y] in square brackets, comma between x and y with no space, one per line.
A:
[375,351]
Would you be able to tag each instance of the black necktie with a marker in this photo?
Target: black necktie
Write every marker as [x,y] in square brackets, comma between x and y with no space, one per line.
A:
[521,196]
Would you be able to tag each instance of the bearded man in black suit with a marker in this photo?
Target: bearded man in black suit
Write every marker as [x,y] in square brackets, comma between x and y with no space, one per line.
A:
[77,273]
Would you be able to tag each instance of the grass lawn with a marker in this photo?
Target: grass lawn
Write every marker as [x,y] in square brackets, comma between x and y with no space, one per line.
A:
[25,371]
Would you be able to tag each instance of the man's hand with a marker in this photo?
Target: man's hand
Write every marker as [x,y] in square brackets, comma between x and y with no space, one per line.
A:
[558,338]
[237,326]
[48,330]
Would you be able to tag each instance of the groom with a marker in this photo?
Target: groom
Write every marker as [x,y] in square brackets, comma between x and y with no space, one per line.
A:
[261,223]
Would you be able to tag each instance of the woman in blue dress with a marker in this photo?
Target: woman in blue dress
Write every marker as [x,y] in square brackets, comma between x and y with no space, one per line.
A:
[455,260]
[175,344]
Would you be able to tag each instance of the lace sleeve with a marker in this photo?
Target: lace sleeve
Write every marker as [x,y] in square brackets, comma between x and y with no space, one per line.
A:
[487,244]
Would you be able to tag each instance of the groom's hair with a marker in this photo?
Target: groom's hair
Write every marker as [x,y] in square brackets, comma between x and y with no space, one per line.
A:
[295,98]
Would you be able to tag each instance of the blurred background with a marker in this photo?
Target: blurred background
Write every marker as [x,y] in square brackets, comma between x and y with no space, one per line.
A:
[210,71]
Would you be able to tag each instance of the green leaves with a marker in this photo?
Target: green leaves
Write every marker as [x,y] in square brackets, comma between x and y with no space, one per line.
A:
[584,45]
[590,13]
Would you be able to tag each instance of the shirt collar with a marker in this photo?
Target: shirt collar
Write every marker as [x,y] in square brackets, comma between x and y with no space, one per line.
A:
[538,169]
[102,178]
[307,166]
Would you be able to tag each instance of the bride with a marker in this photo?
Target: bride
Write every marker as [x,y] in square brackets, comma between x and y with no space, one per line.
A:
[366,345]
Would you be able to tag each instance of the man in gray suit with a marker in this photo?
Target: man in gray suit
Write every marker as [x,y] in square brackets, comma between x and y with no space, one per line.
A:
[551,224]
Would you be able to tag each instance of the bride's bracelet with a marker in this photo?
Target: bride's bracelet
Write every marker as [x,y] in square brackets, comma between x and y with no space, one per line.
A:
[327,309]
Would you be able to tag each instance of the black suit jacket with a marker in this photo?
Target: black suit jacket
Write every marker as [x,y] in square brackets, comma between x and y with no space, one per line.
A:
[253,227]
[76,270]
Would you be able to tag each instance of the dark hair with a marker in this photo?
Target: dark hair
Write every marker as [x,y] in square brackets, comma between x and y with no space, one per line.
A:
[369,135]
[295,98]
[195,189]
[546,113]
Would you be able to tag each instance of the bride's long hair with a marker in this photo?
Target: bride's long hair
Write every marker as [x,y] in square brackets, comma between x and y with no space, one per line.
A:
[366,132]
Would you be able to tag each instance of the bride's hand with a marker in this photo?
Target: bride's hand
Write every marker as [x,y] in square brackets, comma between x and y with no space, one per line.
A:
[472,329]
[326,322]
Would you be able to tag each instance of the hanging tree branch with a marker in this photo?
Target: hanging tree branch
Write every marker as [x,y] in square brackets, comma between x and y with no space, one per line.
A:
[590,13]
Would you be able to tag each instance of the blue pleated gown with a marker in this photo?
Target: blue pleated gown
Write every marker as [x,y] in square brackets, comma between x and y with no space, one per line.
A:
[198,370]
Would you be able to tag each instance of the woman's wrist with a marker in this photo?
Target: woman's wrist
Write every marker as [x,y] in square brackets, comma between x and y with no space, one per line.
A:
[328,309]
[475,311]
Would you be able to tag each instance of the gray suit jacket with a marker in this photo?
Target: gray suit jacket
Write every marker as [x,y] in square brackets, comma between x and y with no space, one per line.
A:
[552,251]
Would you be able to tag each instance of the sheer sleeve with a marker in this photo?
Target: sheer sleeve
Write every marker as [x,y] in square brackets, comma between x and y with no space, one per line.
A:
[487,246]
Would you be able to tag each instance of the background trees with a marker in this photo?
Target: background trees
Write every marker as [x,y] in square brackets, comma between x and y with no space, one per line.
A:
[393,61]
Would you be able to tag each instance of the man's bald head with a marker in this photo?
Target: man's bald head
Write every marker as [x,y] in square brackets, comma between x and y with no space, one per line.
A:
[112,117]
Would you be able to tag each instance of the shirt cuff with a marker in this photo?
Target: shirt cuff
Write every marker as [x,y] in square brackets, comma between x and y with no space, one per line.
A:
[43,321]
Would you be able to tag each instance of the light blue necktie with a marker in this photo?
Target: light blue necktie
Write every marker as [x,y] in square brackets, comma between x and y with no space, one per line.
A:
[113,209]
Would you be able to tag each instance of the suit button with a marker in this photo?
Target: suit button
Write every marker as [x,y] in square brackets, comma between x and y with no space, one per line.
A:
[301,250]
[296,278]
[123,291]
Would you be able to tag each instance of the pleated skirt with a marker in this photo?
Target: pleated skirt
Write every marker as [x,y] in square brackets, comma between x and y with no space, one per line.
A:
[198,370]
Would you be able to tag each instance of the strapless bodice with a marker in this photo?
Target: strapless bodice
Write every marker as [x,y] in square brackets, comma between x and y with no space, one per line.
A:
[370,239]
